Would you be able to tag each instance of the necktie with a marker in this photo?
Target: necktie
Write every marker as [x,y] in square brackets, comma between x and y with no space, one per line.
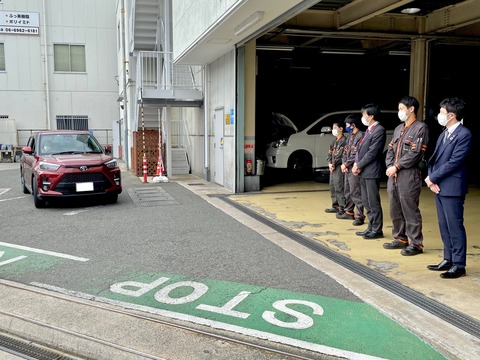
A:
[445,137]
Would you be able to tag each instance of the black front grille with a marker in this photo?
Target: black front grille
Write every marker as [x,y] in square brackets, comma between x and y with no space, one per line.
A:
[82,177]
[67,185]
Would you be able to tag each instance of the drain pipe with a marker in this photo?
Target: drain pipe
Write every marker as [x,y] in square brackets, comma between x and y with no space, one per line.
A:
[125,97]
[48,122]
[206,106]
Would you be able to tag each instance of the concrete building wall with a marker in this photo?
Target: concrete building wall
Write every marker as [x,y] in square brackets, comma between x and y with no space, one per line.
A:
[222,95]
[30,66]
[192,18]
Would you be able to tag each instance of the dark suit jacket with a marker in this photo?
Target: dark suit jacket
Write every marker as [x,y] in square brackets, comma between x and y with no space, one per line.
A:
[370,153]
[447,166]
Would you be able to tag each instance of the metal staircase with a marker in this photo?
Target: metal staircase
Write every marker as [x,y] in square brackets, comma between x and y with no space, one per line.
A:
[180,162]
[158,82]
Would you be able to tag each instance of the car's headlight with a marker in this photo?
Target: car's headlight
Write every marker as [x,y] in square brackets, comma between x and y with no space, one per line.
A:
[111,164]
[280,143]
[48,166]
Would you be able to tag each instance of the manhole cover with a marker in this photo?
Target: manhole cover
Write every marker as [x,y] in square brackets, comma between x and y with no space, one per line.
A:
[151,197]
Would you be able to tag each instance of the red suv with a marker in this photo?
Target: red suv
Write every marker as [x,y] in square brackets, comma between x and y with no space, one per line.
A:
[68,163]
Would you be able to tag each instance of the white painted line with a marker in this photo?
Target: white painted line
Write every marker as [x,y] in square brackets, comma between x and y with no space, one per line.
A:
[45,252]
[15,198]
[3,191]
[322,349]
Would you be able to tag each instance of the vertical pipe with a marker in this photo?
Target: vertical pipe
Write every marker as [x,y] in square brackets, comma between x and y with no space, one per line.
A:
[206,111]
[125,79]
[48,122]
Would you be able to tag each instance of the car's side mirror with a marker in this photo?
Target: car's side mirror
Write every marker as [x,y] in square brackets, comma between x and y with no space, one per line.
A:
[326,129]
[27,150]
[108,149]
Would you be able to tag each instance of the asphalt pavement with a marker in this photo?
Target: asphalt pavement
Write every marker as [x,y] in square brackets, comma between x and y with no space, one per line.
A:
[243,255]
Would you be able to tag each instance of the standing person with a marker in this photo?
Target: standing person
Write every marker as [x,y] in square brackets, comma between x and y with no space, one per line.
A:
[334,159]
[404,185]
[353,194]
[369,166]
[447,178]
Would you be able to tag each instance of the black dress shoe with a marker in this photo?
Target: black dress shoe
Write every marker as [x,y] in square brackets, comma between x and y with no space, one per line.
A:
[362,233]
[332,210]
[444,265]
[454,273]
[373,235]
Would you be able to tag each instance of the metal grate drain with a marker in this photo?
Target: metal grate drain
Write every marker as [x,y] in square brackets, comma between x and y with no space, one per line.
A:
[27,350]
[151,196]
[454,317]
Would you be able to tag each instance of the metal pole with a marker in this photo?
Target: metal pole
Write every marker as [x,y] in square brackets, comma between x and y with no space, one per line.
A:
[144,160]
[125,97]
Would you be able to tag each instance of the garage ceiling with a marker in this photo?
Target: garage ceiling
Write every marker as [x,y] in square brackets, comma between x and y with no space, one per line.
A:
[375,26]
[334,25]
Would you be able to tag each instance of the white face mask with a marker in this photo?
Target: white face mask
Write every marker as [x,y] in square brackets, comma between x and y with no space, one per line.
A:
[335,132]
[364,121]
[402,115]
[442,119]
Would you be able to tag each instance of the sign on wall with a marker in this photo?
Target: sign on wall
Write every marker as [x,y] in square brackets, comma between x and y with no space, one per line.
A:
[19,23]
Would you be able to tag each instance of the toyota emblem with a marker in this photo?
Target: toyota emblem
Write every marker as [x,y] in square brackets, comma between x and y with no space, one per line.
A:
[83,168]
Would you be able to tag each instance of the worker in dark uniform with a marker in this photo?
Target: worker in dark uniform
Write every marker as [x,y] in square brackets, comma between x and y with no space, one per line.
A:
[337,178]
[404,155]
[353,194]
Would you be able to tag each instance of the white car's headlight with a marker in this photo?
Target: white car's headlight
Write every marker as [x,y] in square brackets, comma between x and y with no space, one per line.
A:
[111,164]
[48,166]
[280,143]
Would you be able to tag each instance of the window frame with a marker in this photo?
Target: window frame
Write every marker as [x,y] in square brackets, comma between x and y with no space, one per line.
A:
[72,122]
[2,57]
[72,61]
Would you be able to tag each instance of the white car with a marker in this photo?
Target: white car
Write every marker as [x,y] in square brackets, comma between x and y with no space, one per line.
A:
[307,150]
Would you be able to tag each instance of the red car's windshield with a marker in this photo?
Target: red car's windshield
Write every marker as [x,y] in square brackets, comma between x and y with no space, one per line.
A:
[51,144]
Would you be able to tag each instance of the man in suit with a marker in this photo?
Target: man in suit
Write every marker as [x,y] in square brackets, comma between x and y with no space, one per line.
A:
[369,165]
[447,178]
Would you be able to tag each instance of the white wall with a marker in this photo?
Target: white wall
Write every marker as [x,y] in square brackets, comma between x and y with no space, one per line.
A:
[222,94]
[94,93]
[191,18]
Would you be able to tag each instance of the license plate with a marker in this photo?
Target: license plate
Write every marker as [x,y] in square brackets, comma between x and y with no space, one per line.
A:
[86,186]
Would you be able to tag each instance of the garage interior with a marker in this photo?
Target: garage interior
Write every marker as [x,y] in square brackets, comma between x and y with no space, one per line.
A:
[343,54]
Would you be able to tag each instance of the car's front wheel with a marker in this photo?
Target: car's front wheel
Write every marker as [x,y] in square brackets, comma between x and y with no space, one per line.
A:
[36,201]
[300,165]
[22,181]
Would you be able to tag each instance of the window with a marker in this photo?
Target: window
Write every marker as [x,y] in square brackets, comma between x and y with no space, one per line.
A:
[69,122]
[69,58]
[2,57]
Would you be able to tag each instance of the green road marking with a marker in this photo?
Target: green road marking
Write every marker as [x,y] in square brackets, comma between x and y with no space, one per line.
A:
[354,327]
[19,260]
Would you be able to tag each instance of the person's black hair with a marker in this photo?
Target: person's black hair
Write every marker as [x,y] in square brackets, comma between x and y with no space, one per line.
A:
[454,105]
[410,101]
[353,119]
[371,109]
[340,123]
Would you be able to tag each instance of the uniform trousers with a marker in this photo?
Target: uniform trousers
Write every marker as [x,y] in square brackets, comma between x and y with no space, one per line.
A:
[404,195]
[353,195]
[336,183]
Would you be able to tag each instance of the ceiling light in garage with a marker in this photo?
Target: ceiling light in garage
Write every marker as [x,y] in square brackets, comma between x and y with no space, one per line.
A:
[399,52]
[343,52]
[410,11]
[248,22]
[275,48]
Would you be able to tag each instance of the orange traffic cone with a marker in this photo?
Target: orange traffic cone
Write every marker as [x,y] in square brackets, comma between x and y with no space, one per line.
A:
[160,168]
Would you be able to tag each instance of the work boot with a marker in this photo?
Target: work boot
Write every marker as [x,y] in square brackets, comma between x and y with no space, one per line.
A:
[396,244]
